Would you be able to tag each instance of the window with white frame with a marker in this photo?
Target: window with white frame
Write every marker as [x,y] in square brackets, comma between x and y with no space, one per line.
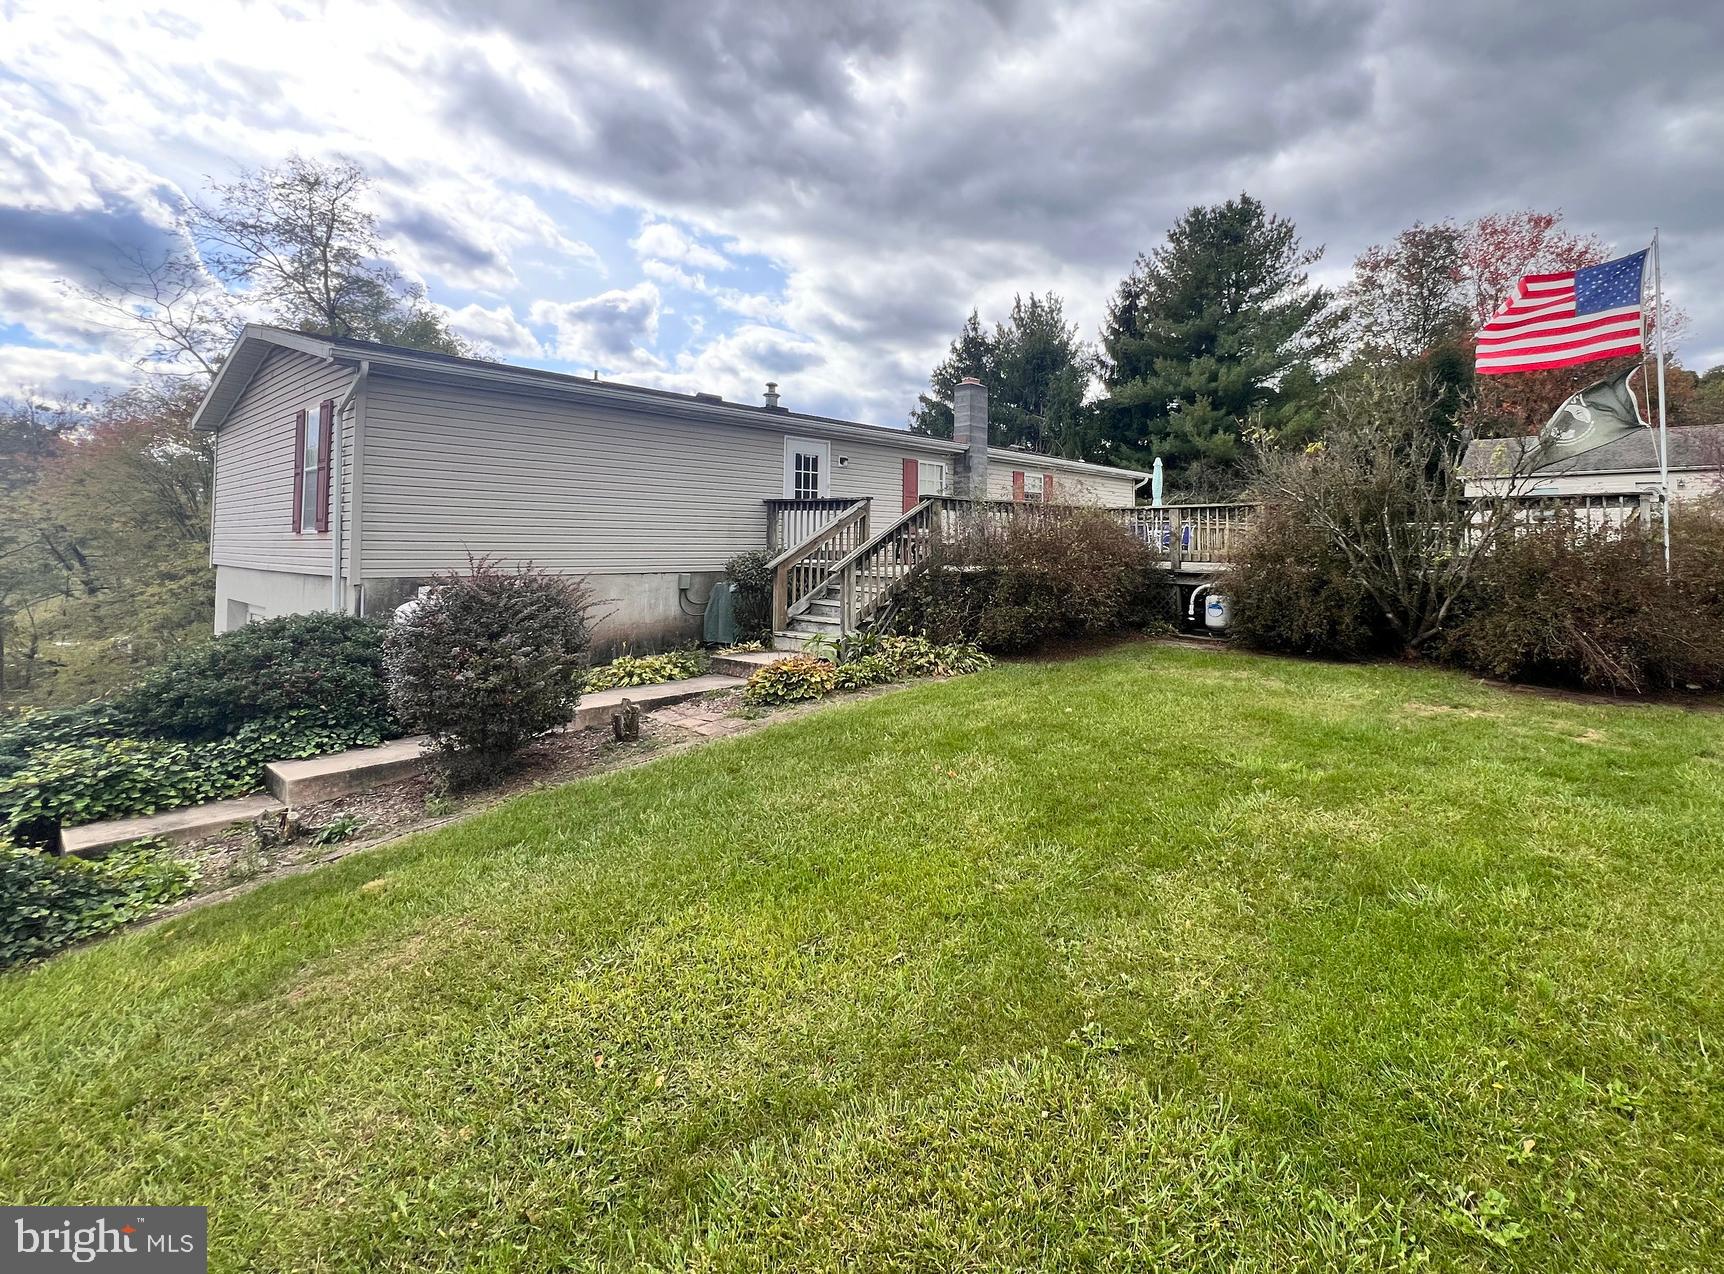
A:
[930,478]
[1032,488]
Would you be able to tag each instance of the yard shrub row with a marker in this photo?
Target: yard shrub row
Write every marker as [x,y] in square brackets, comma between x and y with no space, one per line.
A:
[70,784]
[201,727]
[1032,579]
[261,671]
[1595,608]
[1557,603]
[51,903]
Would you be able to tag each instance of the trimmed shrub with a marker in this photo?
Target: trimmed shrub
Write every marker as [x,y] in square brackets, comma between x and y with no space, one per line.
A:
[1594,608]
[751,573]
[646,670]
[1062,573]
[48,903]
[328,661]
[490,660]
[1291,592]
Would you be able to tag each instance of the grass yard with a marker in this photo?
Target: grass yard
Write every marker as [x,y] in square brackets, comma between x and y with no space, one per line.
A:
[1155,959]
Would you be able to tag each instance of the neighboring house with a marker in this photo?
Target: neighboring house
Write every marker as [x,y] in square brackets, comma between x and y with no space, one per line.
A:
[347,473]
[1627,467]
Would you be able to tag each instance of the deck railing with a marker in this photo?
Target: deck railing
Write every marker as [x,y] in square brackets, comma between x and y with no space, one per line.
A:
[790,522]
[1191,536]
[868,577]
[801,570]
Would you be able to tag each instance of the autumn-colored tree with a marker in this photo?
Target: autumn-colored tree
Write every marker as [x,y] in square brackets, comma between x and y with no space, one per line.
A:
[1417,302]
[113,529]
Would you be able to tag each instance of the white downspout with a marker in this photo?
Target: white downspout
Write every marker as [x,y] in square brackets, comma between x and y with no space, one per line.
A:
[337,601]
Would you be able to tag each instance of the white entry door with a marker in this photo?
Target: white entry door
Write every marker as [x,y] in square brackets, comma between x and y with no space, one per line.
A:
[807,469]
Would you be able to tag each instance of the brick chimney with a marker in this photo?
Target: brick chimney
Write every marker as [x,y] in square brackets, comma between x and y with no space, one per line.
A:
[970,431]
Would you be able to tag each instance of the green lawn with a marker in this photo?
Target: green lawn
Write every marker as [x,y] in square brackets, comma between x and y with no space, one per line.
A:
[1159,959]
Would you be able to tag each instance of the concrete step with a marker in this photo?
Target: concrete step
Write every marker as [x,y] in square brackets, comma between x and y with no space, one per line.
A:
[309,780]
[745,663]
[172,826]
[323,778]
[792,642]
[596,708]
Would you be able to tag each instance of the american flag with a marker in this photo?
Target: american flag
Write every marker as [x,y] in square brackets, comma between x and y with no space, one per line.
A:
[1558,320]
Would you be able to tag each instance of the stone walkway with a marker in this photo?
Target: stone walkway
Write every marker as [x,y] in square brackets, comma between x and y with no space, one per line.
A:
[712,722]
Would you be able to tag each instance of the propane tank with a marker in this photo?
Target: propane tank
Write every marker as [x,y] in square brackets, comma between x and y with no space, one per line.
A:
[1216,611]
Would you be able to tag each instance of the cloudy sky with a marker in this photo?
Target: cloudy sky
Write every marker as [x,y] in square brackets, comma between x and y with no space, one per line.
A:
[708,194]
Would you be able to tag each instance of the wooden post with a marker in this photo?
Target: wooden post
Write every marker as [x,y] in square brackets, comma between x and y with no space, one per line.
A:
[780,602]
[1175,531]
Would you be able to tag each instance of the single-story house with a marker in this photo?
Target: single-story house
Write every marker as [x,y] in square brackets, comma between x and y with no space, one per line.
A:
[1624,468]
[347,473]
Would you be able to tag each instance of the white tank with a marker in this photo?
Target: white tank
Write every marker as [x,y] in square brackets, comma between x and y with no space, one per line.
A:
[1217,612]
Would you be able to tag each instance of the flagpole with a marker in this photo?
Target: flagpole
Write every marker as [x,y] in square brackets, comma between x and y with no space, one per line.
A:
[1663,431]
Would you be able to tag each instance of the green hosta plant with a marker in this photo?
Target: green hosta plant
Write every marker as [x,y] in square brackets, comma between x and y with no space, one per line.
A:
[48,903]
[792,680]
[919,657]
[646,670]
[858,663]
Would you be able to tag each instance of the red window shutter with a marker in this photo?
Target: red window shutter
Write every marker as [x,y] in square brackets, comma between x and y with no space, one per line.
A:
[298,468]
[912,486]
[325,432]
[1018,485]
[1047,488]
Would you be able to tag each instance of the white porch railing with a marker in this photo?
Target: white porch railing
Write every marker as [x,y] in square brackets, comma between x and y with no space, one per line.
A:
[790,522]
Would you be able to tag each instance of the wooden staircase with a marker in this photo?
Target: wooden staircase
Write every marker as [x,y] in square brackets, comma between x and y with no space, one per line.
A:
[841,580]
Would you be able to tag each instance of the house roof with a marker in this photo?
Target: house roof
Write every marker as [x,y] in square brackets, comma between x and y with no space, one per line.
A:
[258,341]
[1691,447]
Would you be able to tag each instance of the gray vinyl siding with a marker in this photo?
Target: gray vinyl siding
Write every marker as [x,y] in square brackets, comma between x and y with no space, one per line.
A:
[1070,486]
[451,471]
[252,525]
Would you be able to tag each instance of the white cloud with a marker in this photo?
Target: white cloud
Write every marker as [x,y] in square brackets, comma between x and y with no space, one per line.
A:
[496,329]
[29,371]
[607,331]
[662,240]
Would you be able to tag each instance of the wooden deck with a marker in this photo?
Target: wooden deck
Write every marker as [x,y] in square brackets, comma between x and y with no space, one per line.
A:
[834,572]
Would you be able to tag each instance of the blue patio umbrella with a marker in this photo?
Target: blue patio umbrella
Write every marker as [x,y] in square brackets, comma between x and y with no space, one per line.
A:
[1155,484]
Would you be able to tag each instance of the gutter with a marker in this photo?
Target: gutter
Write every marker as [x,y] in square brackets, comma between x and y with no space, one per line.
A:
[337,602]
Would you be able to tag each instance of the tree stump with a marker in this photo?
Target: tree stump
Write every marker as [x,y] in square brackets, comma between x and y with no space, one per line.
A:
[626,722]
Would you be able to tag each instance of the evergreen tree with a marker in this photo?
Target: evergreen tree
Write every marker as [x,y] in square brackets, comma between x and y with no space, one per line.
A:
[1217,329]
[971,354]
[1037,371]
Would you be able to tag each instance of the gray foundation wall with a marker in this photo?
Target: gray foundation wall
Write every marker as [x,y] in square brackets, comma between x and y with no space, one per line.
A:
[641,612]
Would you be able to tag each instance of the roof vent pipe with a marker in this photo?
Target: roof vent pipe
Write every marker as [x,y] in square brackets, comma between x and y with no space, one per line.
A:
[772,393]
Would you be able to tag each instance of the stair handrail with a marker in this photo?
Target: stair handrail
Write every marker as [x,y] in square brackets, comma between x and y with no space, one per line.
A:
[795,579]
[858,600]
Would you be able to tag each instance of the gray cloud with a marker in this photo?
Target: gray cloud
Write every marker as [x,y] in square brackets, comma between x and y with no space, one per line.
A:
[901,161]
[1073,136]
